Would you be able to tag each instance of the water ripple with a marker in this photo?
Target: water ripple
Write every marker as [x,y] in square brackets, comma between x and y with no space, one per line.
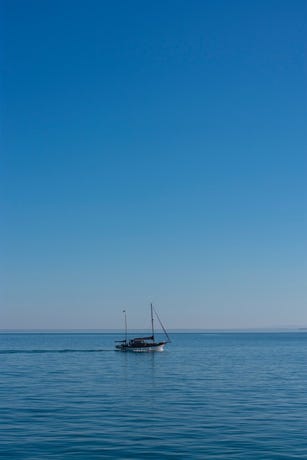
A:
[223,396]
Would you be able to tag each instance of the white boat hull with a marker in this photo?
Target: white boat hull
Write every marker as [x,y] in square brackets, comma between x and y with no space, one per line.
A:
[159,347]
[147,349]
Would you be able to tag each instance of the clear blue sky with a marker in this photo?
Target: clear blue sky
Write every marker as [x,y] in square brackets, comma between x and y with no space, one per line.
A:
[153,151]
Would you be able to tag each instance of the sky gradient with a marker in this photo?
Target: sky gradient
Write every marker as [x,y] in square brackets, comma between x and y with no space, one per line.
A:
[153,151]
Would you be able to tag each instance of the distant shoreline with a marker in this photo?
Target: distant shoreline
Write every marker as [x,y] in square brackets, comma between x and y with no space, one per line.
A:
[172,331]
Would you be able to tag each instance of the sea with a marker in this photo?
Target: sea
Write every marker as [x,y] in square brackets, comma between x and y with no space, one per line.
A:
[224,395]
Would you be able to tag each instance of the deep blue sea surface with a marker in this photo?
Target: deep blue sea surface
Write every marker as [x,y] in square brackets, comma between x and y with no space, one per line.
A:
[207,396]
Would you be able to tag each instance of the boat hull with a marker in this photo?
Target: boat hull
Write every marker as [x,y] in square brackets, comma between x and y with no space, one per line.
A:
[143,349]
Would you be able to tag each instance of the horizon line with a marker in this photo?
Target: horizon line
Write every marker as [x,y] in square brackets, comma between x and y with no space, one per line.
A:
[174,330]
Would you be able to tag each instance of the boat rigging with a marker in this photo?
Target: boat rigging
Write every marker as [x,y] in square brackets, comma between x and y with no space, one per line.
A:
[141,344]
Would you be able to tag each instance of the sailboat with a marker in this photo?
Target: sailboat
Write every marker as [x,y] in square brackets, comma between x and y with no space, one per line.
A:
[141,344]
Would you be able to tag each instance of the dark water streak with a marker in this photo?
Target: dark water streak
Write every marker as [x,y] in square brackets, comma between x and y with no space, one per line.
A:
[67,350]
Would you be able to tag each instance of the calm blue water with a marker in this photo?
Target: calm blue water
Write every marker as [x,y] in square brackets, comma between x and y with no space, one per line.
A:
[208,396]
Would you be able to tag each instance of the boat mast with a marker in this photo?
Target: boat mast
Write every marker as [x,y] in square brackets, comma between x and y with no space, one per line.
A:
[124,311]
[152,323]
[161,324]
